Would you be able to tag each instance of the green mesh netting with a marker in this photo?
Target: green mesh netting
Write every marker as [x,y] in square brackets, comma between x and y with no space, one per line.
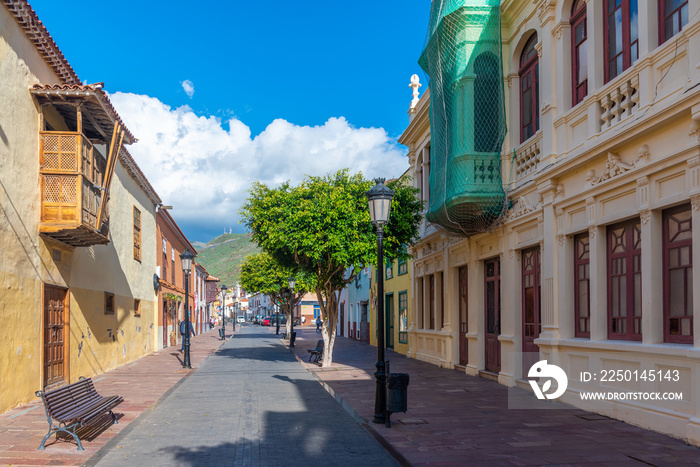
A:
[467,115]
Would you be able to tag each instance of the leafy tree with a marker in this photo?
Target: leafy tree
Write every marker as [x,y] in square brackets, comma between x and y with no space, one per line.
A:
[323,227]
[261,273]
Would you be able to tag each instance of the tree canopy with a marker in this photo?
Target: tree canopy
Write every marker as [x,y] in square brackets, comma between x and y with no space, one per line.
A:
[322,227]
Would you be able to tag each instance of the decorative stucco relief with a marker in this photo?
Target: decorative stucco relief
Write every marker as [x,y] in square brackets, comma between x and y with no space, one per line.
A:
[523,206]
[614,166]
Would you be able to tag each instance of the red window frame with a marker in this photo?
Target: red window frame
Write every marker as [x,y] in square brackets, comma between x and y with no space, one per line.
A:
[582,286]
[529,81]
[678,258]
[624,246]
[629,49]
[578,20]
[532,306]
[668,18]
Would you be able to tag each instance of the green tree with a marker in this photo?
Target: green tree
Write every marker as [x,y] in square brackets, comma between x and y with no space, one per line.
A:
[261,273]
[322,227]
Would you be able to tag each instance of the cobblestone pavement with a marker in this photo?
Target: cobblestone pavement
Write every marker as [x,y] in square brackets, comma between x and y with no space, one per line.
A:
[251,403]
[457,419]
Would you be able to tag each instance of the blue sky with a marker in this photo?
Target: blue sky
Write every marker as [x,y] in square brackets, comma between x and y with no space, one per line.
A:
[221,95]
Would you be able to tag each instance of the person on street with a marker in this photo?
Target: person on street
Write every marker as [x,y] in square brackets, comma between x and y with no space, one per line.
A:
[318,324]
[182,333]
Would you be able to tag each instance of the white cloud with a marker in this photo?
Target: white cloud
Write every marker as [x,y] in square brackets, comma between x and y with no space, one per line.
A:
[188,86]
[205,171]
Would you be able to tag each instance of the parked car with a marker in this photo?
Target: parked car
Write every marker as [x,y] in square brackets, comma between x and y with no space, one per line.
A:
[240,319]
[282,318]
[266,321]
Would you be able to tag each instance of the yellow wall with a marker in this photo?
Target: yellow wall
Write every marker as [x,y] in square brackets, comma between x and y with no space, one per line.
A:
[392,287]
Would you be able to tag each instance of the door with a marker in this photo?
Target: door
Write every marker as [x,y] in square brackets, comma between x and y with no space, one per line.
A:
[532,313]
[364,324]
[165,323]
[389,312]
[56,313]
[492,294]
[463,326]
[342,319]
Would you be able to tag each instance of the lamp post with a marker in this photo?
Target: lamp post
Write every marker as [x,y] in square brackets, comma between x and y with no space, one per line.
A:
[186,259]
[379,200]
[292,335]
[223,306]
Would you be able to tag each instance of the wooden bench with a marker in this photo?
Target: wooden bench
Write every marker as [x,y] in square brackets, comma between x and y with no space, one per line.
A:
[317,353]
[75,405]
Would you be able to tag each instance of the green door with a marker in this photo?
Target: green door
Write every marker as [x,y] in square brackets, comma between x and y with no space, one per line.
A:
[389,323]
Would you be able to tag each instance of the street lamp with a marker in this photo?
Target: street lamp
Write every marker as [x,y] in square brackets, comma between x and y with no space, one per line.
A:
[223,304]
[186,259]
[292,334]
[379,199]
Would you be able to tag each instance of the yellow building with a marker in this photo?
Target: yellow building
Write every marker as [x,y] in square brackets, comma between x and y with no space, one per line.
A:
[397,299]
[590,265]
[77,221]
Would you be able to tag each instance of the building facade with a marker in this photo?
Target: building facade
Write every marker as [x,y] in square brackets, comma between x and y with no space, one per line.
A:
[353,307]
[591,266]
[77,221]
[171,280]
[397,299]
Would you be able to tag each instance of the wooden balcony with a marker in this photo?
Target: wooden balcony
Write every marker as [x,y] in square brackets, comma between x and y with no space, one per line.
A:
[74,202]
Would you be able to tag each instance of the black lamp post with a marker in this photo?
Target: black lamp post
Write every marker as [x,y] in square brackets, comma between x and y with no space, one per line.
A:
[186,259]
[292,335]
[379,199]
[223,307]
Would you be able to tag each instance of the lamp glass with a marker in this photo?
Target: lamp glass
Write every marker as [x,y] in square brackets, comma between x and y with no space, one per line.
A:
[292,282]
[186,259]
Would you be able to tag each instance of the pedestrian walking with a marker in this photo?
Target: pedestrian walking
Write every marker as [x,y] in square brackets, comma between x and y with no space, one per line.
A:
[318,324]
[182,333]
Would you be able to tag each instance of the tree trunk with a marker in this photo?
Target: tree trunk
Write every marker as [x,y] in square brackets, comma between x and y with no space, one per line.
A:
[330,314]
[289,322]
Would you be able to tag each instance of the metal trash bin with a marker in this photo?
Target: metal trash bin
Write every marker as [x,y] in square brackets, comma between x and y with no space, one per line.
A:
[397,392]
[292,338]
[221,333]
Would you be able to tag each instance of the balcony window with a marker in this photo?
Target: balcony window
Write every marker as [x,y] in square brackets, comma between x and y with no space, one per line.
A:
[579,57]
[673,15]
[621,36]
[529,90]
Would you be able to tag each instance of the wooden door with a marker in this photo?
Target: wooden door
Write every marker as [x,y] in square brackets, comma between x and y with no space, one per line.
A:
[165,323]
[389,322]
[463,326]
[56,313]
[492,294]
[342,319]
[532,312]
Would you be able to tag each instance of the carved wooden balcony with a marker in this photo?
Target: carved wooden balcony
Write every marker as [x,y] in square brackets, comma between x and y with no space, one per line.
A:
[72,195]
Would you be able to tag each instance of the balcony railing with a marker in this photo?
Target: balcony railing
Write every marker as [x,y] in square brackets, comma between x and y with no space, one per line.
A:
[72,174]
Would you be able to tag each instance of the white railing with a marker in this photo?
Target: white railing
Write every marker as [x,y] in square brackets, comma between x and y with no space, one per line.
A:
[527,156]
[619,101]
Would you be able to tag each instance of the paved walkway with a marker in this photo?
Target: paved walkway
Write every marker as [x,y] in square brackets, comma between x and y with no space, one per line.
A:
[456,419]
[251,403]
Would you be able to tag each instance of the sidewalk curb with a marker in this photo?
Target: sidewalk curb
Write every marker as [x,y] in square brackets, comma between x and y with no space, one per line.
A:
[112,443]
[388,447]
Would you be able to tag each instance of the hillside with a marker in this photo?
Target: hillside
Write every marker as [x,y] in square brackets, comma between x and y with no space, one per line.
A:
[223,255]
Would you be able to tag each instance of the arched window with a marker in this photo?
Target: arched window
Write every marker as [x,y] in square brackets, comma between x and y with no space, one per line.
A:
[529,90]
[673,15]
[579,56]
[621,36]
[487,104]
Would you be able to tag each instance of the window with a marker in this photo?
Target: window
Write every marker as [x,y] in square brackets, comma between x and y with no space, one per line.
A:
[621,36]
[678,275]
[137,234]
[673,15]
[487,104]
[579,57]
[164,266]
[403,317]
[389,270]
[137,307]
[529,90]
[172,262]
[582,275]
[109,303]
[403,267]
[431,301]
[625,281]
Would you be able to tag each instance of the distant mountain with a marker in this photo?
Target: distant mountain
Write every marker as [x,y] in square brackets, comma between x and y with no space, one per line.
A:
[223,255]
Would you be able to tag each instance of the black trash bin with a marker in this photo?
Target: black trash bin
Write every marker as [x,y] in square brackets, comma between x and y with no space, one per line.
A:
[292,338]
[397,392]
[221,333]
